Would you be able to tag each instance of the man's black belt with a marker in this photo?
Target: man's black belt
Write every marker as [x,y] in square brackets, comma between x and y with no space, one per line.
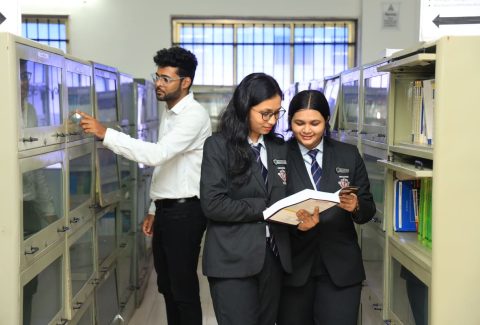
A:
[166,203]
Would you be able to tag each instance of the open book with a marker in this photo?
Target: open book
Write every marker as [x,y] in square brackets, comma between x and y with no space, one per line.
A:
[285,210]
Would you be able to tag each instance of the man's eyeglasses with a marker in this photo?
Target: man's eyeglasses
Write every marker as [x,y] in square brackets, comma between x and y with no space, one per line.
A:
[164,79]
[266,116]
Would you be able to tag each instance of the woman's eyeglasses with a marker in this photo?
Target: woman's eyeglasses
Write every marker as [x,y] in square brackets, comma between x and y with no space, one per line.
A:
[266,116]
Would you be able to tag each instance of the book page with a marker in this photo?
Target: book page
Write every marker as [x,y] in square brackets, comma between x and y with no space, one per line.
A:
[285,210]
[289,214]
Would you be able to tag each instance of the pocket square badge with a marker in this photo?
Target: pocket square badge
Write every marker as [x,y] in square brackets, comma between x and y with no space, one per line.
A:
[283,175]
[343,182]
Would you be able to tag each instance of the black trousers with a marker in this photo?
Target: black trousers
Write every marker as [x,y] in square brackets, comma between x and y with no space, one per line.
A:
[249,301]
[296,305]
[177,233]
[335,305]
[320,302]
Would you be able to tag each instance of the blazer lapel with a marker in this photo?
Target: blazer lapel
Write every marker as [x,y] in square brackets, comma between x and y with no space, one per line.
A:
[327,165]
[272,168]
[295,158]
[257,173]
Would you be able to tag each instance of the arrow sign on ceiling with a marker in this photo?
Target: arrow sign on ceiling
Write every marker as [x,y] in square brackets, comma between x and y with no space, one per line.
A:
[2,18]
[456,20]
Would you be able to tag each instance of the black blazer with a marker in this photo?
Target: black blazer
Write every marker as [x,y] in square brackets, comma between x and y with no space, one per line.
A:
[332,245]
[235,240]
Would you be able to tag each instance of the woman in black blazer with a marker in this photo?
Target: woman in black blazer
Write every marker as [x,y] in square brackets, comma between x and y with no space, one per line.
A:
[245,258]
[325,286]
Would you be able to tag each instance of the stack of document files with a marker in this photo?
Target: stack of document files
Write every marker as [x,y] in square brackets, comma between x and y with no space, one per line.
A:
[422,106]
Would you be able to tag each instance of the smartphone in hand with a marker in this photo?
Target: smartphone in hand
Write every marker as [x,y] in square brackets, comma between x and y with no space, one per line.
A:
[349,190]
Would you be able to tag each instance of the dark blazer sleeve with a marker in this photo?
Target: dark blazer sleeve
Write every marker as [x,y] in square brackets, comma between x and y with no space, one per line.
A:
[366,204]
[216,199]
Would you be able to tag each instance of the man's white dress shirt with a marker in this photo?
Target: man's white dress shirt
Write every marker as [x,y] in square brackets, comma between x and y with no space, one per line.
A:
[177,156]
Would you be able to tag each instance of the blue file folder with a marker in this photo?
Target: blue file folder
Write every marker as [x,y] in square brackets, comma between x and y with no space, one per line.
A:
[404,206]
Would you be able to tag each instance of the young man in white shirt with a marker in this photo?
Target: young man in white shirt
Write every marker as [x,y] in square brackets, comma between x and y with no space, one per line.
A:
[175,218]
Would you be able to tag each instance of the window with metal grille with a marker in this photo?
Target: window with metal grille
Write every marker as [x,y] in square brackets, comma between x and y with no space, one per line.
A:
[290,50]
[49,30]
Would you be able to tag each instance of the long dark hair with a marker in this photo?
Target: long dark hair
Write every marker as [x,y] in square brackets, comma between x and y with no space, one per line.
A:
[310,99]
[234,122]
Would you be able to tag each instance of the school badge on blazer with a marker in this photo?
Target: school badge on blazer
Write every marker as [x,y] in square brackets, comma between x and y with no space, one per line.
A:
[343,179]
[280,164]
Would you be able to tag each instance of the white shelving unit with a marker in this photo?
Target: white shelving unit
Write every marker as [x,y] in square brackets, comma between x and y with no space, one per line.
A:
[446,272]
[451,267]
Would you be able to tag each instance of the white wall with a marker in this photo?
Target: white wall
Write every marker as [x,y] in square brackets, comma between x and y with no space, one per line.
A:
[126,33]
[376,38]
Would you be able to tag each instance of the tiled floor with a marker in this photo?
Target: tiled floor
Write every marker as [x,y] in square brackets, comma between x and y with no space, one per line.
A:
[152,309]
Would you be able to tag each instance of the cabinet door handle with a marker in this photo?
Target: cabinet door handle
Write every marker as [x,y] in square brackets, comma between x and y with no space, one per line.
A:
[63,229]
[78,305]
[32,250]
[63,321]
[377,306]
[30,139]
[75,220]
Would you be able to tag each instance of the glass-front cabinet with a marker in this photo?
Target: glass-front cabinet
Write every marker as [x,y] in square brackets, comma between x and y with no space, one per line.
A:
[375,101]
[63,232]
[42,203]
[106,298]
[349,112]
[107,175]
[82,266]
[106,85]
[106,233]
[42,293]
[81,183]
[79,82]
[40,112]
[331,91]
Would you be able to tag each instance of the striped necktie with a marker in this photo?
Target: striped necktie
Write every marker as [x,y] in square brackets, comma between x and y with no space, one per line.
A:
[315,168]
[256,152]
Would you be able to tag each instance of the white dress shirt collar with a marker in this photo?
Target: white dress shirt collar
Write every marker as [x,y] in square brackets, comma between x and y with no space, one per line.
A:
[259,141]
[305,151]
[263,149]
[182,104]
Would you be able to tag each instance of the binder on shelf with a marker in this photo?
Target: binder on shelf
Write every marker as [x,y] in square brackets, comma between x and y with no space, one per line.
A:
[422,104]
[428,213]
[429,106]
[425,212]
[405,219]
